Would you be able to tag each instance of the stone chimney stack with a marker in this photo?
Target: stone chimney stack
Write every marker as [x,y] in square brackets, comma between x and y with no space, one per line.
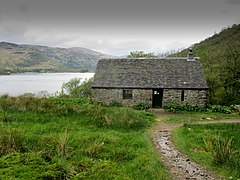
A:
[190,55]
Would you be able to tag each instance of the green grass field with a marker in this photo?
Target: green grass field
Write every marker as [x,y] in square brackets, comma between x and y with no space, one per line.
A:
[197,117]
[216,146]
[73,139]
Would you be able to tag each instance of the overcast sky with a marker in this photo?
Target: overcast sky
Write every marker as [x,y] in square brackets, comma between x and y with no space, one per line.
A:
[115,27]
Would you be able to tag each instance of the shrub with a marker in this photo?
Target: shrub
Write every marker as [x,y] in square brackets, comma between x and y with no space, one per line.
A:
[32,166]
[11,140]
[188,108]
[115,104]
[104,169]
[222,149]
[221,109]
[224,152]
[117,118]
[5,102]
[62,148]
[74,88]
[234,161]
[142,106]
[211,108]
[52,105]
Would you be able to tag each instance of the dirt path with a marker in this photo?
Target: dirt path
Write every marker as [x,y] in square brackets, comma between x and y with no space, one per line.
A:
[180,166]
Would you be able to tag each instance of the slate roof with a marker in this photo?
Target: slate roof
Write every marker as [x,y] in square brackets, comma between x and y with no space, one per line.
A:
[149,73]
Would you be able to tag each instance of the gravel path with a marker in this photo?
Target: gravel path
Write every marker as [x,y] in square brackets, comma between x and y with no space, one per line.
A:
[179,165]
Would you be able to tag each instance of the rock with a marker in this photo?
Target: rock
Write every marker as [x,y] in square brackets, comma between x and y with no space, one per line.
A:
[194,149]
[237,107]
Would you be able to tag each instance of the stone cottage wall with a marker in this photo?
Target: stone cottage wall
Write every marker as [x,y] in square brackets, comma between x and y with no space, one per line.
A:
[116,95]
[170,96]
[191,97]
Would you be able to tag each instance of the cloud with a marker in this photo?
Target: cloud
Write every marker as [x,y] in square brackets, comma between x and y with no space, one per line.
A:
[114,27]
[237,21]
[12,32]
[234,2]
[24,8]
[112,46]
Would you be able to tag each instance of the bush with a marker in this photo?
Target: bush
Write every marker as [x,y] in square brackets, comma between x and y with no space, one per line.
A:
[32,166]
[104,169]
[234,161]
[52,105]
[221,109]
[75,89]
[142,106]
[118,118]
[211,108]
[11,140]
[223,151]
[180,108]
[115,104]
[221,148]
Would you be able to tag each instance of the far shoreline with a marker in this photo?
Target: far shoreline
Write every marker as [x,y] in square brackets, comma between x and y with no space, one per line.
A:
[43,72]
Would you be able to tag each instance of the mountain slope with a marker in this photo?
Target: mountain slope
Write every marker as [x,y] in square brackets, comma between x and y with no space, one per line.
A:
[220,58]
[226,37]
[20,58]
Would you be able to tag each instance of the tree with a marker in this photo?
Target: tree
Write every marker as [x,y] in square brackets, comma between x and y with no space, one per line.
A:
[231,73]
[74,88]
[71,85]
[141,54]
[222,70]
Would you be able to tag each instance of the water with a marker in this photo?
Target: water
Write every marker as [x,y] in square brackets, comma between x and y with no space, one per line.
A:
[17,84]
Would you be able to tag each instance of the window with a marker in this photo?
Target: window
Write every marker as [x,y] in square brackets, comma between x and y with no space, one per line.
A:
[182,95]
[127,94]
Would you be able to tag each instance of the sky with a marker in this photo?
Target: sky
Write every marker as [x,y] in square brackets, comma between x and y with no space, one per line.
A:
[115,27]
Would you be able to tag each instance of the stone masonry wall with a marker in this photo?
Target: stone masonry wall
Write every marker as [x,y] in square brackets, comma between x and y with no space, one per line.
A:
[170,96]
[196,97]
[110,95]
[191,97]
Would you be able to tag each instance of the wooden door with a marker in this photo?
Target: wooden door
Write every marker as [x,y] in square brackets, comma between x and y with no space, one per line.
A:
[157,98]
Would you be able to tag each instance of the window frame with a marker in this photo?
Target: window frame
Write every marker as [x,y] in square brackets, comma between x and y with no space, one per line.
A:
[182,96]
[127,93]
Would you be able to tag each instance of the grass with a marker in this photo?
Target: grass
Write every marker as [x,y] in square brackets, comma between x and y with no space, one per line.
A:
[186,117]
[216,146]
[73,139]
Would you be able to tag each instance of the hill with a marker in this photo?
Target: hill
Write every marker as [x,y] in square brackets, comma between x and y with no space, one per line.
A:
[220,58]
[22,58]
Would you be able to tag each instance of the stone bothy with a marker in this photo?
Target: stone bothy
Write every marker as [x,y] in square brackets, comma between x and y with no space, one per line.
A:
[157,82]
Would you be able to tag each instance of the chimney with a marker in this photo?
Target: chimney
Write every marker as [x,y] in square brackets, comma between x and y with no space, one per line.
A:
[190,55]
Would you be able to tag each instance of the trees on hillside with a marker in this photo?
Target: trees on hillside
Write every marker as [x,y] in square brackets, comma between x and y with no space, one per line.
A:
[222,70]
[141,54]
[230,73]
